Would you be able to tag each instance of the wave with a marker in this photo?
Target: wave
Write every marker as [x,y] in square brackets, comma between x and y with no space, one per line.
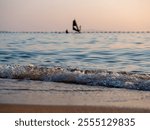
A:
[128,80]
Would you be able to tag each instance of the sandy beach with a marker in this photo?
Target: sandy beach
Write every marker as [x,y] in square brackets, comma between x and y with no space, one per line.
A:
[36,96]
[14,108]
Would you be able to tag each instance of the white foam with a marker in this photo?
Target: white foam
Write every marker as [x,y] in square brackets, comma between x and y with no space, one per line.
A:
[68,75]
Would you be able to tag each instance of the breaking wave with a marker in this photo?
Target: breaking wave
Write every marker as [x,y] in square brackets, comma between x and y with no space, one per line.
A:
[128,80]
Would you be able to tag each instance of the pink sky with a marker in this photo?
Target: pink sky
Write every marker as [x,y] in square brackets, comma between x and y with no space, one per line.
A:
[57,15]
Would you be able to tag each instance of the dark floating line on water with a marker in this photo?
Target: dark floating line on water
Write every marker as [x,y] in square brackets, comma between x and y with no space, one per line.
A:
[59,32]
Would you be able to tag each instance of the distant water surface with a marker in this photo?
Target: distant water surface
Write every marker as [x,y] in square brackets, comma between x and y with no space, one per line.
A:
[111,51]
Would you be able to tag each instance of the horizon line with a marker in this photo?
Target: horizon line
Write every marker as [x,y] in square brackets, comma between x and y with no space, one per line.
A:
[75,32]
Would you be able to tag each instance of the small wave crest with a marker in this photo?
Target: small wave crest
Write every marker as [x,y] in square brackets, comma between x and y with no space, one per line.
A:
[73,75]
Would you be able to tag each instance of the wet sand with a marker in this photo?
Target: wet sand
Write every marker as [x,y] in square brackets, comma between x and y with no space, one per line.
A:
[37,96]
[14,108]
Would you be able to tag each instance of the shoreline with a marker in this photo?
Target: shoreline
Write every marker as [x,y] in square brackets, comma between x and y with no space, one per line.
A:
[29,96]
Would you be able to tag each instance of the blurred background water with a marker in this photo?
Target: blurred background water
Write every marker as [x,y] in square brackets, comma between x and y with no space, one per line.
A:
[112,51]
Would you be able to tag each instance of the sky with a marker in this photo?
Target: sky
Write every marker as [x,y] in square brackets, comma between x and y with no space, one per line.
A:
[57,15]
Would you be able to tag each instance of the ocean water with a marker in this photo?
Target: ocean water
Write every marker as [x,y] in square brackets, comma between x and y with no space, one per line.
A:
[118,60]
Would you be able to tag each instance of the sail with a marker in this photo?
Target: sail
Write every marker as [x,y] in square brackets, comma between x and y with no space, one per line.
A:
[75,26]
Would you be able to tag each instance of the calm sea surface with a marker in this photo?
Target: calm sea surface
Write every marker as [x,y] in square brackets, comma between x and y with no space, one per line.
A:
[112,51]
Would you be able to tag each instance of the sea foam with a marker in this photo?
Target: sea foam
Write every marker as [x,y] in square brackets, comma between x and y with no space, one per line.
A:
[99,77]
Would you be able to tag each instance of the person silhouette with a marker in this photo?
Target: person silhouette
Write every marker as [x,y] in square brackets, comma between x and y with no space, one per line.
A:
[67,31]
[75,26]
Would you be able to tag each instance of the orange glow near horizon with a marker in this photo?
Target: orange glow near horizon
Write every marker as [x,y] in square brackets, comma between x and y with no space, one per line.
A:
[57,15]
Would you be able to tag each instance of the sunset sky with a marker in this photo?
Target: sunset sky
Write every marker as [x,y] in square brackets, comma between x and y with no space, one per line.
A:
[57,15]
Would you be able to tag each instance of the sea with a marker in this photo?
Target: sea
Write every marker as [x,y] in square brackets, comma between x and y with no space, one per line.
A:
[108,59]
